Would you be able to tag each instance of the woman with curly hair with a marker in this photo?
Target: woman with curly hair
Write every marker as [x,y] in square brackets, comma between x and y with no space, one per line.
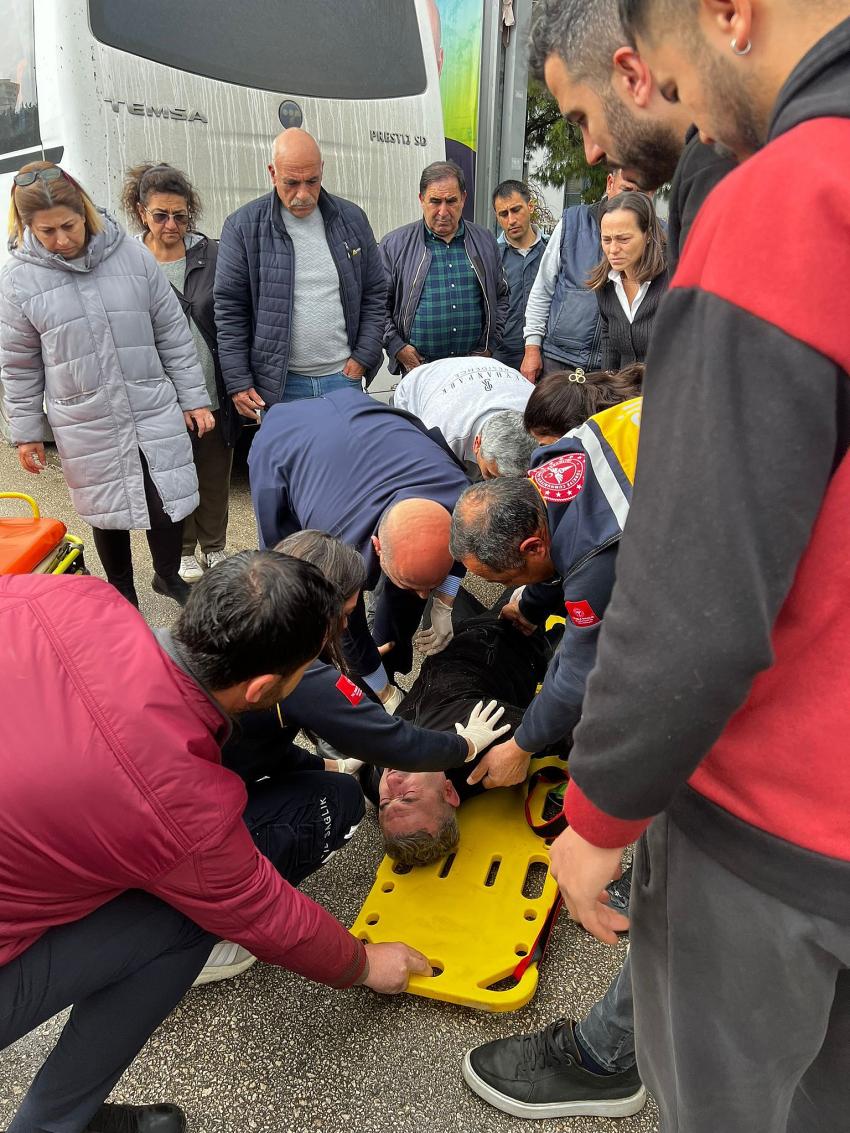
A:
[161,202]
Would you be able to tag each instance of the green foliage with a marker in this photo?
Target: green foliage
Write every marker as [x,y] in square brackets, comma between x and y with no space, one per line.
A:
[561,145]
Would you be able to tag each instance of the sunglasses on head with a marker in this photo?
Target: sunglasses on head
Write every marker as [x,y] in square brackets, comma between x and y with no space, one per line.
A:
[52,173]
[159,216]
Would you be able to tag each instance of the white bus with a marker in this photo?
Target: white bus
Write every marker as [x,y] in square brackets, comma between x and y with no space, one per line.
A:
[99,85]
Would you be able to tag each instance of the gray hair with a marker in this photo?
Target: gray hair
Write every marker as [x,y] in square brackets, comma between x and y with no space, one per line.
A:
[439,171]
[505,440]
[583,33]
[492,519]
[340,564]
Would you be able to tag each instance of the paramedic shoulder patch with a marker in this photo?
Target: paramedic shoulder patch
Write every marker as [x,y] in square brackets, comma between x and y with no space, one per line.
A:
[561,479]
[350,690]
[582,614]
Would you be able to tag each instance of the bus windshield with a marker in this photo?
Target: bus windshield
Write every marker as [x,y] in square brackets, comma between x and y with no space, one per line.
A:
[18,104]
[359,49]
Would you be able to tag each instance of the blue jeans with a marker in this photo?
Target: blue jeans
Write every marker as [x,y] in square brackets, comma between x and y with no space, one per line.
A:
[608,1029]
[298,386]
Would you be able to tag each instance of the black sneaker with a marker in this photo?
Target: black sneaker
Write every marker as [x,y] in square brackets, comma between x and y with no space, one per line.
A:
[541,1075]
[174,588]
[163,1118]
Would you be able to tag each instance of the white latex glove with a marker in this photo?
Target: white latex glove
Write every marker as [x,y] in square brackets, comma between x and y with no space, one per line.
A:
[393,700]
[515,597]
[435,639]
[481,728]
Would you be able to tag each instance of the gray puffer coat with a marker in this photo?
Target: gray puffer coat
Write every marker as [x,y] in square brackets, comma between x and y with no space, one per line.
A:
[104,344]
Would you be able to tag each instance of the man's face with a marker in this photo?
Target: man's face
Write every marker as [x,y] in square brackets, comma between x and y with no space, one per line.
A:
[442,207]
[535,568]
[297,184]
[646,151]
[406,578]
[410,801]
[489,468]
[514,217]
[689,69]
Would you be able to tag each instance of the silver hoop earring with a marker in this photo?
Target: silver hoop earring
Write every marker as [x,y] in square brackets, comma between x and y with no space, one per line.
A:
[738,50]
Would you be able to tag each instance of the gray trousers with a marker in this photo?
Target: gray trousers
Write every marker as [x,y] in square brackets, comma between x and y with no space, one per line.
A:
[207,525]
[742,1003]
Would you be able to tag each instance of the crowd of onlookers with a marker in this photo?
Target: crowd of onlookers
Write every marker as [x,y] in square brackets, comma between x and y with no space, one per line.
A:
[297,300]
[699,681]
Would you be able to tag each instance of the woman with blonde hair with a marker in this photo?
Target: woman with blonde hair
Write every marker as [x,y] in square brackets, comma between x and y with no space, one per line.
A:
[630,279]
[93,338]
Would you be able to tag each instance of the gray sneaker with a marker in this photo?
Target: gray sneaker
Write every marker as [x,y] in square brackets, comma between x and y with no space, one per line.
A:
[190,569]
[209,559]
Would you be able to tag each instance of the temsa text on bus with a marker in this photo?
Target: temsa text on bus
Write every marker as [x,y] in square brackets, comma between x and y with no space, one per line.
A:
[181,114]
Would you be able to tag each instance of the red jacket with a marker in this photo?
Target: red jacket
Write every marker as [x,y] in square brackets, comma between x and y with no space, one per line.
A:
[111,779]
[721,689]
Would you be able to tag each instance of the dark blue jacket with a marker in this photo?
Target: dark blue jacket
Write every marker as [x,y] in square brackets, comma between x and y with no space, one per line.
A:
[337,463]
[254,286]
[520,272]
[407,258]
[335,708]
[574,332]
[585,480]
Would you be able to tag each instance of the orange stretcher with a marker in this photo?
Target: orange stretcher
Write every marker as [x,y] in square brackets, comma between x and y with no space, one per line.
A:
[36,545]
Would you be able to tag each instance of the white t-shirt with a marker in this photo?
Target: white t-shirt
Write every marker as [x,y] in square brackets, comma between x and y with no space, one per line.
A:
[457,395]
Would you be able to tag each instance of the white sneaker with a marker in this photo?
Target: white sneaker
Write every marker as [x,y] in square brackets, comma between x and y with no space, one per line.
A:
[225,960]
[212,558]
[190,569]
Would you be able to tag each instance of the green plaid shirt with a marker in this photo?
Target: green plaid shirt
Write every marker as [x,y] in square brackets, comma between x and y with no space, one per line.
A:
[449,319]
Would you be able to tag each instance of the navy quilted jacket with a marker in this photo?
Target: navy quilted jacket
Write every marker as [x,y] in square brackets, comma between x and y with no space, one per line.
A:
[253,291]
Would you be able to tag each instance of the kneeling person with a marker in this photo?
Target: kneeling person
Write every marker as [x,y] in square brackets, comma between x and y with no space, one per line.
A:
[559,531]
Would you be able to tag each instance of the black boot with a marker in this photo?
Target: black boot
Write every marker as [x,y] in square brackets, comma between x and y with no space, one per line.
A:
[163,1118]
[173,587]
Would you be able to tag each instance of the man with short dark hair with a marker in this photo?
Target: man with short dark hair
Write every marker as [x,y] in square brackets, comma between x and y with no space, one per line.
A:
[447,291]
[715,724]
[116,881]
[300,290]
[603,85]
[522,247]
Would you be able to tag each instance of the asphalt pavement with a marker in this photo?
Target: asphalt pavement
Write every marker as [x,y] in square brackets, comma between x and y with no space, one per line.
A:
[273,1053]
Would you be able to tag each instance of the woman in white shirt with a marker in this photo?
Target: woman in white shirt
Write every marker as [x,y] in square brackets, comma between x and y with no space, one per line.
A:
[630,279]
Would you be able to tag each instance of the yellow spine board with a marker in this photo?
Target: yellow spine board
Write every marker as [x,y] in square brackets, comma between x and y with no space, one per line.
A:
[475,914]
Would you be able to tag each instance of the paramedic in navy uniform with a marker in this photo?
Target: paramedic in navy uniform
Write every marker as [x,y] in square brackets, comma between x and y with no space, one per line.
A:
[558,530]
[372,477]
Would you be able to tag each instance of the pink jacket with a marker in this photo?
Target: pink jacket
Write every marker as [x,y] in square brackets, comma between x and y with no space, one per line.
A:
[111,779]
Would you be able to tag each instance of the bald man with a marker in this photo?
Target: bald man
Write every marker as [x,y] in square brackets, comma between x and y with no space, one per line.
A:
[374,478]
[300,291]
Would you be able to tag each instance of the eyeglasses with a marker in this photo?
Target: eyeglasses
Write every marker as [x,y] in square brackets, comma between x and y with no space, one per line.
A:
[52,173]
[159,216]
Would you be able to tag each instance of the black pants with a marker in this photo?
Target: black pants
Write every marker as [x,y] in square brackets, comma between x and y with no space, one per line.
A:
[301,819]
[124,968]
[127,965]
[165,539]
